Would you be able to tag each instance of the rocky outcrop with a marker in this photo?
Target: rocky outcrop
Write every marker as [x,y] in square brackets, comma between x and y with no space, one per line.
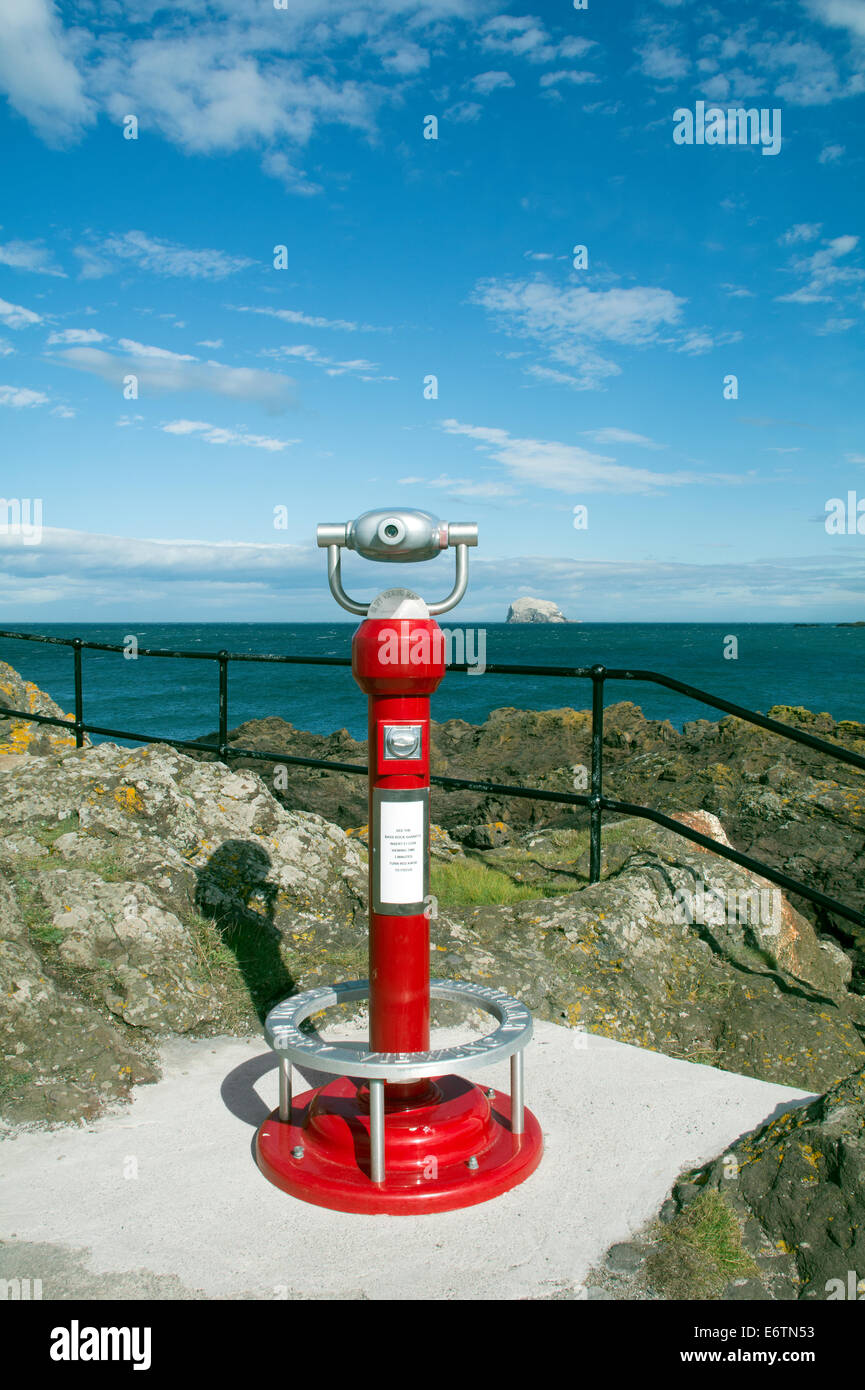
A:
[535,610]
[802,1178]
[145,893]
[667,953]
[781,802]
[23,735]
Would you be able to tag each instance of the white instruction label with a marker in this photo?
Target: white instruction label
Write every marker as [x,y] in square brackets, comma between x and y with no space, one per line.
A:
[401,851]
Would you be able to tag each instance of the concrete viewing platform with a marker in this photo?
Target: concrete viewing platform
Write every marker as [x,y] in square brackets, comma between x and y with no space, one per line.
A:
[163,1199]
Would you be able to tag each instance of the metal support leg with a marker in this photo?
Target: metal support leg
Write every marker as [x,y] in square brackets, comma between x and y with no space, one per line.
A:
[376,1131]
[284,1090]
[517,1102]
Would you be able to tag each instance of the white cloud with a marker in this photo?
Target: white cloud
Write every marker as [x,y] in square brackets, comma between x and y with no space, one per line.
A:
[215,434]
[565,467]
[593,370]
[831,154]
[611,435]
[524,36]
[86,572]
[696,342]
[294,180]
[486,82]
[733,86]
[617,315]
[462,487]
[807,74]
[223,77]
[21,396]
[16,316]
[30,255]
[551,79]
[803,231]
[356,366]
[566,320]
[825,279]
[160,371]
[164,257]
[402,57]
[662,61]
[210,343]
[77,335]
[145,350]
[38,71]
[6,348]
[77,563]
[306,320]
[463,112]
[843,14]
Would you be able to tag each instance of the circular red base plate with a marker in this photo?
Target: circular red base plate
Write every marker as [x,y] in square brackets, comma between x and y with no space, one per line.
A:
[428,1143]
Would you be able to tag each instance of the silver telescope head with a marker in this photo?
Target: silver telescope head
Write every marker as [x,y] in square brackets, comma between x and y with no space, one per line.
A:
[401,535]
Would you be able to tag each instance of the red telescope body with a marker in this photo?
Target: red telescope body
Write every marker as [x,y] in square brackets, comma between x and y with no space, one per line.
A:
[398,1132]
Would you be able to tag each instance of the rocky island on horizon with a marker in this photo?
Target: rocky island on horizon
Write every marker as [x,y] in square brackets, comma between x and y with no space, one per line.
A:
[535,610]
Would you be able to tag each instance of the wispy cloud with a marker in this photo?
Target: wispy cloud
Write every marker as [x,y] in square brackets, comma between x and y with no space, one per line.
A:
[610,434]
[486,82]
[16,316]
[100,257]
[662,61]
[560,467]
[77,335]
[297,316]
[30,255]
[21,396]
[825,279]
[463,487]
[567,320]
[216,434]
[332,366]
[524,36]
[158,370]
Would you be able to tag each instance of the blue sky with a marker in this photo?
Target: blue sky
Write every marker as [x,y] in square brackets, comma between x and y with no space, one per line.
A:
[558,386]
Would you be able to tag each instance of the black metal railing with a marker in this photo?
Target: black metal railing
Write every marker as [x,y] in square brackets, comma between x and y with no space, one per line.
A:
[595,800]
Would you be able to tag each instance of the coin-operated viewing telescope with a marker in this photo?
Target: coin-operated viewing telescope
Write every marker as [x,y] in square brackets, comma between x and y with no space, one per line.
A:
[398,1131]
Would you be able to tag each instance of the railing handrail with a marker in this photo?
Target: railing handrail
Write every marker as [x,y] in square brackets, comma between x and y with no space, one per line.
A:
[596,802]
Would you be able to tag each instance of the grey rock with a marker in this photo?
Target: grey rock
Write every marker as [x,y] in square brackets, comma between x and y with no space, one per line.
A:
[535,610]
[625,1258]
[745,1290]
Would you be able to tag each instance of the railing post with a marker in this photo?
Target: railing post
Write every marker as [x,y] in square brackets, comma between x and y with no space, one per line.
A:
[223,706]
[79,693]
[598,676]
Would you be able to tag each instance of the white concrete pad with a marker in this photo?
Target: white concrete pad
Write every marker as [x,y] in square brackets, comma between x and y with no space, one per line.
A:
[163,1199]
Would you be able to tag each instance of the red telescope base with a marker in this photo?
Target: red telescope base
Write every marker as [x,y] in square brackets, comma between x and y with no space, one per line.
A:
[448,1148]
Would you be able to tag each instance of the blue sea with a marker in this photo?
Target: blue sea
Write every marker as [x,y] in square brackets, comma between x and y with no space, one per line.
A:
[820,667]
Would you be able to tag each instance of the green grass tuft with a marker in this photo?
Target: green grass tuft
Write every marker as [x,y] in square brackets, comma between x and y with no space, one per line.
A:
[700,1251]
